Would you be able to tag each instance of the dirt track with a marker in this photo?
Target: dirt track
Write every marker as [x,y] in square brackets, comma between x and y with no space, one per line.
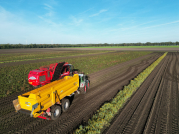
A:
[154,108]
[104,85]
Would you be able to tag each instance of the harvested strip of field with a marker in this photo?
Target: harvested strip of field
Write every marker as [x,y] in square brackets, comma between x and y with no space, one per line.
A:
[14,78]
[83,106]
[106,113]
[154,107]
[5,58]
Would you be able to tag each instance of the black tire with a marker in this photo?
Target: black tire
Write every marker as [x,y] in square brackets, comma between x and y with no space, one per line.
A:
[55,112]
[84,89]
[87,85]
[65,104]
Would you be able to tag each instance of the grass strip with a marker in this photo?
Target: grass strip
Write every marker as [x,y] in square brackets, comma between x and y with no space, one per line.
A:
[105,114]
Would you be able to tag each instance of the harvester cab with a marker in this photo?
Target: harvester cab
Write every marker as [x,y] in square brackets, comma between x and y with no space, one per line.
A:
[47,74]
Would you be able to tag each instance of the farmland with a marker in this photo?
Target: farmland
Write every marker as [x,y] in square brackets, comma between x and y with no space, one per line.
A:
[109,72]
[4,58]
[154,107]
[14,82]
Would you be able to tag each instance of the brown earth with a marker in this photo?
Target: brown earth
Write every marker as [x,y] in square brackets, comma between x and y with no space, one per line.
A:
[154,108]
[36,50]
[104,86]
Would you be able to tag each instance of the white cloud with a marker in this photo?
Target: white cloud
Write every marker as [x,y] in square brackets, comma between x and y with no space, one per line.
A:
[15,29]
[135,26]
[47,17]
[48,6]
[5,14]
[163,24]
[50,11]
[122,27]
[49,21]
[96,14]
[86,11]
[76,21]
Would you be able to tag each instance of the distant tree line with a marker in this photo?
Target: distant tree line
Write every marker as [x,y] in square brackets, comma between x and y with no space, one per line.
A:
[11,46]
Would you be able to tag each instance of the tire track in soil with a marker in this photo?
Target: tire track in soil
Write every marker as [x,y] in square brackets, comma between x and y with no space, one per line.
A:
[158,102]
[65,121]
[156,110]
[4,102]
[162,127]
[72,117]
[9,99]
[131,71]
[161,103]
[76,111]
[128,118]
[175,125]
[173,109]
[166,120]
[103,74]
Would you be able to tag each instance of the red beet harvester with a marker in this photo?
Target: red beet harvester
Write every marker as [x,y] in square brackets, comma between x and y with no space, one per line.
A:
[47,74]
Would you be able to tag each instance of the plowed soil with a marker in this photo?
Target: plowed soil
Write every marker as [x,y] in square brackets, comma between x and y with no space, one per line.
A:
[154,108]
[104,86]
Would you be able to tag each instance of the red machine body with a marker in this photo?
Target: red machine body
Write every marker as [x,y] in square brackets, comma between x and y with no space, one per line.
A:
[44,75]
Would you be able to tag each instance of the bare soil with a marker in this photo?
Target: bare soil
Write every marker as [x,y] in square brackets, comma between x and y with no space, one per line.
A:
[104,86]
[36,50]
[154,108]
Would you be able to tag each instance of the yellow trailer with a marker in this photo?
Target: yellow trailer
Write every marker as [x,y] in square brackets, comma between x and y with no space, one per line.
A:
[50,100]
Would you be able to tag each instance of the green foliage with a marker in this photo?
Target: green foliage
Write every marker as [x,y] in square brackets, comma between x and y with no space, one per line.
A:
[43,55]
[11,46]
[15,78]
[105,114]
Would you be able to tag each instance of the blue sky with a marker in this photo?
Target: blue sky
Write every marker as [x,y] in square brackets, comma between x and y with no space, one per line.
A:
[88,21]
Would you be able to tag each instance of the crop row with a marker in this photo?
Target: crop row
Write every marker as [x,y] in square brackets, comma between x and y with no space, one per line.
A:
[43,55]
[105,114]
[14,78]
